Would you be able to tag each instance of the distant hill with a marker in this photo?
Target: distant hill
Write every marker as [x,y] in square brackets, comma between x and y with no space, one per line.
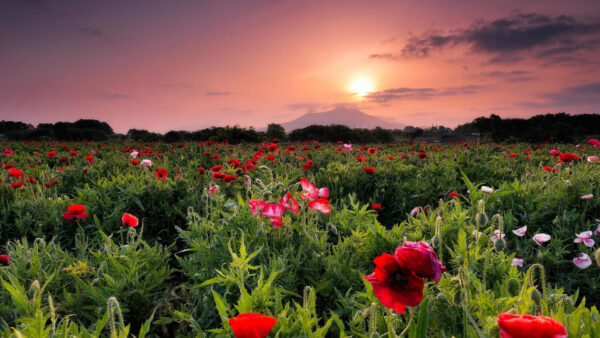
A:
[350,117]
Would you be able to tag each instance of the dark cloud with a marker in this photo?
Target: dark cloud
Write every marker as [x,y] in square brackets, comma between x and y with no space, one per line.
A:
[92,31]
[512,76]
[117,96]
[543,35]
[420,93]
[384,56]
[178,85]
[217,93]
[588,94]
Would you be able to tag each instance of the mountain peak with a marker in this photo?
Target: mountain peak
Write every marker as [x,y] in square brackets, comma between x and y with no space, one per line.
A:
[347,116]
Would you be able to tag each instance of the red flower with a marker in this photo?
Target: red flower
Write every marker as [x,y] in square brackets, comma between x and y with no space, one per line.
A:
[361,158]
[517,326]
[398,279]
[452,194]
[162,173]
[75,211]
[201,171]
[89,158]
[16,173]
[129,220]
[372,151]
[48,185]
[51,154]
[568,157]
[30,180]
[17,184]
[422,155]
[321,204]
[135,162]
[4,259]
[369,170]
[229,178]
[550,169]
[513,155]
[252,325]
[376,206]
[290,203]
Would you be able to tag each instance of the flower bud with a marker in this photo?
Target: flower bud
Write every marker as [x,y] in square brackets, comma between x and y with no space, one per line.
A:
[499,244]
[435,242]
[597,256]
[536,296]
[512,287]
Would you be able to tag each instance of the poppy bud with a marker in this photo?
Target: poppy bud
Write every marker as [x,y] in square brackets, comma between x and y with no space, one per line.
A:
[597,256]
[435,241]
[481,219]
[536,296]
[499,244]
[512,287]
[568,300]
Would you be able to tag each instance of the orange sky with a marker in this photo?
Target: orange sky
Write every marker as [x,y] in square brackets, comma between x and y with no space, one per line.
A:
[163,65]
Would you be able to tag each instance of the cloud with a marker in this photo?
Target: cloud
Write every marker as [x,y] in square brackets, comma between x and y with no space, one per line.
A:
[384,56]
[512,76]
[405,93]
[92,31]
[216,93]
[178,85]
[519,33]
[587,94]
[117,96]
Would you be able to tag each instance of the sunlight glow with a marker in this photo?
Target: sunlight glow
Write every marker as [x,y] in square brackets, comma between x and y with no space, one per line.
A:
[361,86]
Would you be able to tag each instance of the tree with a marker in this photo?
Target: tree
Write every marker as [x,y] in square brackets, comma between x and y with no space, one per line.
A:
[275,130]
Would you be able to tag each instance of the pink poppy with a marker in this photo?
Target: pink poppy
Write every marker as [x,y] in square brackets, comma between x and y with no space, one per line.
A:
[517,262]
[520,231]
[587,197]
[541,238]
[582,261]
[321,204]
[290,203]
[585,238]
[212,189]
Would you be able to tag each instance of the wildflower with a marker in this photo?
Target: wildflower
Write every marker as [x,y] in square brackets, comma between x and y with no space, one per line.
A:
[16,185]
[517,262]
[134,153]
[290,203]
[587,197]
[585,238]
[550,169]
[541,238]
[129,220]
[593,159]
[146,163]
[75,211]
[422,155]
[252,325]
[527,326]
[497,235]
[582,261]
[376,206]
[361,158]
[16,173]
[310,192]
[135,162]
[51,154]
[398,279]
[89,159]
[520,231]
[161,173]
[372,151]
[347,147]
[487,189]
[452,194]
[568,157]
[416,210]
[369,170]
[321,204]
[4,259]
[212,189]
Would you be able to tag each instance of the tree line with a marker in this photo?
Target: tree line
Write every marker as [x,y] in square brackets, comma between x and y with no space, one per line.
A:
[559,127]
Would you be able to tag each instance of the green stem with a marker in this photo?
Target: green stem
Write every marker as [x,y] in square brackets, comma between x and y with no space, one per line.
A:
[410,319]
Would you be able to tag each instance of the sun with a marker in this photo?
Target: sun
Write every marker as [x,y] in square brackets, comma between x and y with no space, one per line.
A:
[361,86]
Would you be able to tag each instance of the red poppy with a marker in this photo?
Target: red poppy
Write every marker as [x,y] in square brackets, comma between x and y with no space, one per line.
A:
[229,178]
[4,259]
[48,185]
[550,169]
[372,151]
[17,184]
[321,204]
[16,173]
[75,211]
[422,155]
[452,194]
[290,203]
[526,326]
[568,157]
[252,325]
[89,158]
[51,154]
[376,206]
[369,170]
[162,173]
[201,171]
[361,158]
[30,180]
[129,220]
[513,155]
[216,168]
[135,162]
[398,279]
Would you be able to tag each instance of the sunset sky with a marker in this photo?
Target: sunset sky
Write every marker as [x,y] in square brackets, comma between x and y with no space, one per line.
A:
[163,65]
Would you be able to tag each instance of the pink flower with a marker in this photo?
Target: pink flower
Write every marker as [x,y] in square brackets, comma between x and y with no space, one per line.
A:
[8,152]
[520,231]
[324,192]
[272,210]
[541,238]
[348,147]
[585,238]
[134,154]
[554,152]
[146,162]
[587,197]
[593,159]
[487,190]
[290,203]
[321,204]
[310,192]
[582,261]
[212,189]
[517,262]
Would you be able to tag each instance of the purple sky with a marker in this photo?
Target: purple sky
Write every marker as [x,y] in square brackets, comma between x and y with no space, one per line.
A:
[163,65]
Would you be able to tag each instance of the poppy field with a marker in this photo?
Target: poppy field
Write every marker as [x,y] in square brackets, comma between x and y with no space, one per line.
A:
[280,239]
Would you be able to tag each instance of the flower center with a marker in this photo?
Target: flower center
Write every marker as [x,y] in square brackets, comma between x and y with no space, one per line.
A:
[398,279]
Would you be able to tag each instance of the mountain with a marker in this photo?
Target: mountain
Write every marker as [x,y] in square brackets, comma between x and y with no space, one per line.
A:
[350,117]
